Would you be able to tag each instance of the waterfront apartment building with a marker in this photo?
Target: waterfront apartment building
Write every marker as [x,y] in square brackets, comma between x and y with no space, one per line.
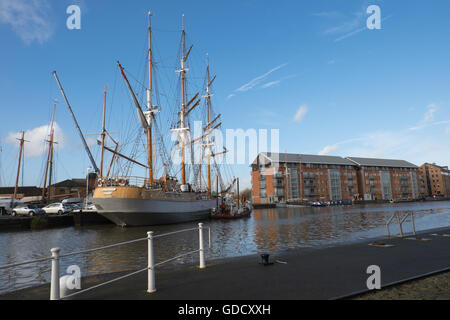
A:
[383,179]
[437,180]
[281,177]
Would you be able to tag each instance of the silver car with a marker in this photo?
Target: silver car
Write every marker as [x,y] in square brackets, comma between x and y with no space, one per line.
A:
[57,208]
[27,210]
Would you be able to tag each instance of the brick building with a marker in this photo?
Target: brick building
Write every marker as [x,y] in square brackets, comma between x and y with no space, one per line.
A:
[282,177]
[383,179]
[437,180]
[22,192]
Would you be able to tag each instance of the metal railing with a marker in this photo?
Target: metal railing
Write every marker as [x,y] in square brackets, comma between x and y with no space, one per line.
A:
[55,290]
[400,221]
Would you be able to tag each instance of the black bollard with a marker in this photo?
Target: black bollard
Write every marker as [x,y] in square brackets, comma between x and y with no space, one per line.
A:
[265,259]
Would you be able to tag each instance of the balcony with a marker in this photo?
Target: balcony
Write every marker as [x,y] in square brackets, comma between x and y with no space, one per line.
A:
[278,184]
[278,175]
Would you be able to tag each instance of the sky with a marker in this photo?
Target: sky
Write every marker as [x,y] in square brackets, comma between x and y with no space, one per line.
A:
[311,69]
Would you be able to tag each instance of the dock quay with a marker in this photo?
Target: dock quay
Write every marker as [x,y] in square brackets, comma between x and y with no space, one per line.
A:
[313,273]
[51,221]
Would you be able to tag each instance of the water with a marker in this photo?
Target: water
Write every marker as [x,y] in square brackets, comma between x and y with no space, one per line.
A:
[268,230]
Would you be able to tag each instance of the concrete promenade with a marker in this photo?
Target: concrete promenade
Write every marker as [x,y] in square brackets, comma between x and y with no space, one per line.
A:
[311,273]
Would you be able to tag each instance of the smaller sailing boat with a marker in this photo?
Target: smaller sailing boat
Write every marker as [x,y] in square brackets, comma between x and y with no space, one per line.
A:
[227,209]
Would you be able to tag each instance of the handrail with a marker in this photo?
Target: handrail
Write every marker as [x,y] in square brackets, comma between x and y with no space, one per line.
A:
[25,262]
[151,265]
[101,248]
[54,284]
[400,223]
[104,283]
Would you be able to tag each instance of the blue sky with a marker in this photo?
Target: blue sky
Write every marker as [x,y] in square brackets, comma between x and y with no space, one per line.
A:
[311,69]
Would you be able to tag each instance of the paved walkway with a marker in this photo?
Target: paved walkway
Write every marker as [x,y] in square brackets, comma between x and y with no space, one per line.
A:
[325,273]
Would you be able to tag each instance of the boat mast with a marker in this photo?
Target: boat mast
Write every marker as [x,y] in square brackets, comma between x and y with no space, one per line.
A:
[149,113]
[50,156]
[183,107]
[22,142]
[103,134]
[208,141]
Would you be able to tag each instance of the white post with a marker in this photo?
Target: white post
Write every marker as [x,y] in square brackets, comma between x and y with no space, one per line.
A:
[87,186]
[413,223]
[400,225]
[54,284]
[209,237]
[202,252]
[151,264]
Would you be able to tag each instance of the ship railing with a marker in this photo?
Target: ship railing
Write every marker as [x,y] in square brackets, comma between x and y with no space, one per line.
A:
[57,292]
[400,221]
[122,181]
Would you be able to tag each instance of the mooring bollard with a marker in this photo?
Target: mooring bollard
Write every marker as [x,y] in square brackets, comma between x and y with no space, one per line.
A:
[151,264]
[201,249]
[54,284]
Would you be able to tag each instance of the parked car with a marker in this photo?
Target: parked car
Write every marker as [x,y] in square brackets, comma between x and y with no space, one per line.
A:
[27,210]
[57,208]
[90,207]
[81,207]
[76,207]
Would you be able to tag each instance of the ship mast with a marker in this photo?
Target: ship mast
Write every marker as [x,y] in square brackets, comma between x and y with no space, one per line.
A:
[149,113]
[49,157]
[103,134]
[182,130]
[208,107]
[22,142]
[183,107]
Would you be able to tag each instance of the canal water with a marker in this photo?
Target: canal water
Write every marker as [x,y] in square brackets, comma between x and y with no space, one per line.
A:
[268,230]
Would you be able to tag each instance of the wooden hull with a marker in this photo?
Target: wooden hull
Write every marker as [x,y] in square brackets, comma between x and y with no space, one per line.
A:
[133,206]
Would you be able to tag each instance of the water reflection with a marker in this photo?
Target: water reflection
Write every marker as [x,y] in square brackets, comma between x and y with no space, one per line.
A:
[268,230]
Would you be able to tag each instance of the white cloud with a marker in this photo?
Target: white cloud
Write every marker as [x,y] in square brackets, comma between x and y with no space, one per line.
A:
[428,119]
[270,84]
[301,113]
[429,115]
[256,81]
[37,145]
[412,146]
[345,26]
[28,19]
[327,150]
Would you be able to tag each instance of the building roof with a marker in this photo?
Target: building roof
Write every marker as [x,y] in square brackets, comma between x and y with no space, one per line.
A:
[304,158]
[71,183]
[369,162]
[435,165]
[27,191]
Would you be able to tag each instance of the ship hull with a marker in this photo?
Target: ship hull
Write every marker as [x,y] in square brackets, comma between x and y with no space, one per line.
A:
[146,212]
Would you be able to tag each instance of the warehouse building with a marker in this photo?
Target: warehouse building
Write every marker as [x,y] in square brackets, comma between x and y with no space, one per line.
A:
[383,179]
[437,180]
[294,178]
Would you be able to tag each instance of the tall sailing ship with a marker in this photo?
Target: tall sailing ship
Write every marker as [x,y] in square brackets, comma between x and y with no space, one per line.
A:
[165,200]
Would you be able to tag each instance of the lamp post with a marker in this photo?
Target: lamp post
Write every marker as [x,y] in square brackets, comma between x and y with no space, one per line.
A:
[87,187]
